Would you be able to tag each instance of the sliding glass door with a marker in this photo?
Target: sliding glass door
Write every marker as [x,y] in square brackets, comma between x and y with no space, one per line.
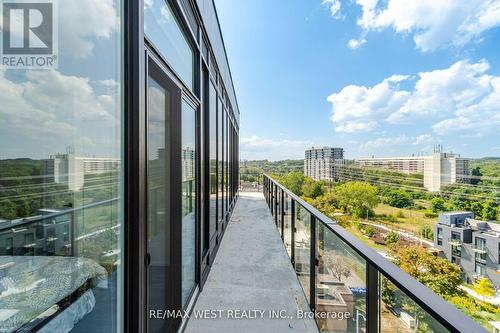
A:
[171,120]
[161,105]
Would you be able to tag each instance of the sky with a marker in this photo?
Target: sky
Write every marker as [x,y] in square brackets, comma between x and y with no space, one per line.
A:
[378,78]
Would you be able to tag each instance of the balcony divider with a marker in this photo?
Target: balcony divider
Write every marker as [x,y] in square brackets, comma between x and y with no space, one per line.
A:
[345,274]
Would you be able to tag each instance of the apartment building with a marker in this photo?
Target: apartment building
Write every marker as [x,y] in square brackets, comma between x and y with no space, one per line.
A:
[323,163]
[439,169]
[70,170]
[472,244]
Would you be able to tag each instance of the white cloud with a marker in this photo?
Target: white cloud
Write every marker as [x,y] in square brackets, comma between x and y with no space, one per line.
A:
[396,141]
[357,108]
[385,142]
[48,102]
[356,43]
[422,139]
[433,24]
[463,97]
[334,6]
[82,22]
[256,148]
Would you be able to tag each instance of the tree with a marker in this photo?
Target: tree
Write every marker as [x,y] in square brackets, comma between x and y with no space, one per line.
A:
[337,265]
[477,208]
[398,198]
[391,238]
[327,203]
[357,198]
[489,211]
[476,174]
[436,273]
[484,287]
[293,181]
[311,188]
[438,205]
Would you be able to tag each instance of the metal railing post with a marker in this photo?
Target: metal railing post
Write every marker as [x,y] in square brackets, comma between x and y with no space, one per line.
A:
[313,264]
[292,229]
[372,299]
[282,210]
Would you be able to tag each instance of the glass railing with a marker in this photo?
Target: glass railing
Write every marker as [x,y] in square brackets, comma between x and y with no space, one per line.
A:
[349,286]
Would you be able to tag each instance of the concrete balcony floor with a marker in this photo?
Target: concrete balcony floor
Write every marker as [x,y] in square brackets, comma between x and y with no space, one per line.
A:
[252,271]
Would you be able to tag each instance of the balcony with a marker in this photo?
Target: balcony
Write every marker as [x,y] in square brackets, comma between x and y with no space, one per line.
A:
[335,271]
[251,282]
[480,250]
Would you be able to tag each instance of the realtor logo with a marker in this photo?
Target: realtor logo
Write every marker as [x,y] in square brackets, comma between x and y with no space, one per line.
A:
[29,34]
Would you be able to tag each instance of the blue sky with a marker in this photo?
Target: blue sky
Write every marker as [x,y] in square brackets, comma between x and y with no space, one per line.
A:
[378,78]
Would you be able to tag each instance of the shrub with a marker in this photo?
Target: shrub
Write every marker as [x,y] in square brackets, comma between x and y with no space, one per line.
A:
[430,214]
[370,231]
[400,215]
[427,232]
[392,237]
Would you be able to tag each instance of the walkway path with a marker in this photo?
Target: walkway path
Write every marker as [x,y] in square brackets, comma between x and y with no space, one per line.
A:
[251,272]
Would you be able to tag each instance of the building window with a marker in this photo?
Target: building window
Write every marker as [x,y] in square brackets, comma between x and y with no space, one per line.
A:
[456,246]
[164,31]
[9,249]
[480,270]
[213,159]
[61,157]
[439,236]
[480,250]
[188,200]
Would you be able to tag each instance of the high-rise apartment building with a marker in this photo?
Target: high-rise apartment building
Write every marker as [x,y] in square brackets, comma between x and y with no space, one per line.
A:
[322,163]
[70,170]
[439,169]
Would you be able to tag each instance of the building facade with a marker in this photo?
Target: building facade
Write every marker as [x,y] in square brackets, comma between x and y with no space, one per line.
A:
[439,169]
[145,88]
[471,244]
[323,163]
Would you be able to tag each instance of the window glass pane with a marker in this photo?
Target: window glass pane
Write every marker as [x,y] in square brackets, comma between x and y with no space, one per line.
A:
[226,162]
[159,270]
[61,179]
[220,161]
[163,29]
[303,248]
[340,284]
[188,199]
[287,236]
[398,313]
[213,159]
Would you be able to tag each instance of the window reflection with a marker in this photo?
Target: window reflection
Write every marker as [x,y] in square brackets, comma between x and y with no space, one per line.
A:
[188,199]
[164,31]
[61,180]
[213,159]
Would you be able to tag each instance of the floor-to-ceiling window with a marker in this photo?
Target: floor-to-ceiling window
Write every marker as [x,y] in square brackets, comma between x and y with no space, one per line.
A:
[61,178]
[213,160]
[188,199]
[159,110]
[220,161]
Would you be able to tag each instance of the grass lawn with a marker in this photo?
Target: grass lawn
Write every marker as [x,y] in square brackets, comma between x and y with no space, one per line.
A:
[412,221]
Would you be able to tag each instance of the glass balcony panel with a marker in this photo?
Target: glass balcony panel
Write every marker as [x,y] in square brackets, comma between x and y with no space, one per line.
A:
[303,248]
[399,313]
[340,284]
[287,227]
